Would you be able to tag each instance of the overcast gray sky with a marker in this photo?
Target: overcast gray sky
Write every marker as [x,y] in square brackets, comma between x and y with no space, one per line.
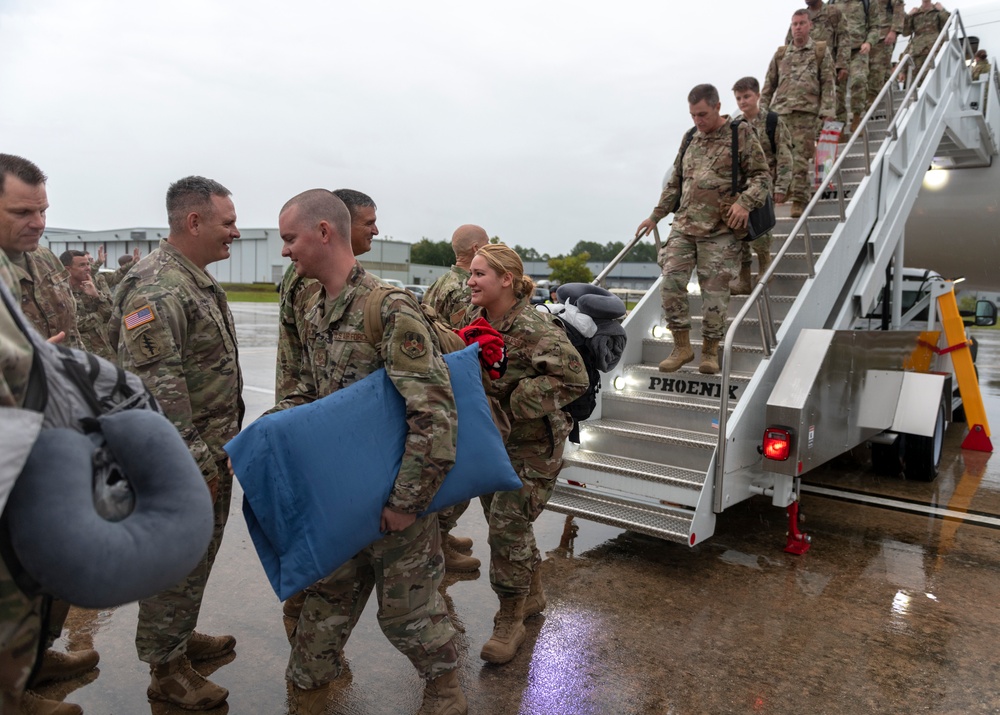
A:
[545,122]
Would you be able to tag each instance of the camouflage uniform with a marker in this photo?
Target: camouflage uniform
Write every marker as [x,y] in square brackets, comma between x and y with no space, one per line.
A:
[801,90]
[779,161]
[46,297]
[407,566]
[296,292]
[923,27]
[544,373]
[449,297]
[880,59]
[173,328]
[856,28]
[700,234]
[106,282]
[92,317]
[21,616]
[979,69]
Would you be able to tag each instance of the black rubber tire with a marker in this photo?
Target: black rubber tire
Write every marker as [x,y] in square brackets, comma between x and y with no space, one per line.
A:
[75,554]
[922,455]
[887,459]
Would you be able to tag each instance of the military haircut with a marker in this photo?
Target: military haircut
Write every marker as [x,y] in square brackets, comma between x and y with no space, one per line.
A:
[747,84]
[192,193]
[26,171]
[704,93]
[802,11]
[466,236]
[317,205]
[354,200]
[503,259]
[66,257]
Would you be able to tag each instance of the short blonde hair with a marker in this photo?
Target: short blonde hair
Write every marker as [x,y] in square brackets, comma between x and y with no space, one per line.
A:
[503,259]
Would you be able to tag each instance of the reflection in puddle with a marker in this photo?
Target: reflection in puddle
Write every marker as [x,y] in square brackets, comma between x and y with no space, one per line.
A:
[563,665]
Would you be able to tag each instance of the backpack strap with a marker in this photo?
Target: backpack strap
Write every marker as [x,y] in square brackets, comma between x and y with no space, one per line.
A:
[684,147]
[735,158]
[374,325]
[771,127]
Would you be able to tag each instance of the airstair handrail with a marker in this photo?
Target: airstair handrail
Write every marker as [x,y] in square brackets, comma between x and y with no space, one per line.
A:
[759,295]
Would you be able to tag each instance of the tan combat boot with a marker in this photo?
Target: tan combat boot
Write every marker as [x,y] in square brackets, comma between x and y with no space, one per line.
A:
[741,284]
[444,696]
[64,666]
[456,561]
[177,682]
[508,632]
[293,606]
[459,543]
[797,209]
[307,702]
[709,357]
[34,704]
[201,647]
[535,602]
[682,353]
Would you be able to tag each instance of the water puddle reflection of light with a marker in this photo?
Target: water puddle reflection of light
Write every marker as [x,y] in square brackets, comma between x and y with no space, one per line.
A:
[564,666]
[900,614]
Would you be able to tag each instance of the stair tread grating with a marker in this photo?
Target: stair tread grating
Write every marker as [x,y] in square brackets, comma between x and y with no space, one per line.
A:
[672,526]
[695,403]
[654,432]
[648,471]
[690,370]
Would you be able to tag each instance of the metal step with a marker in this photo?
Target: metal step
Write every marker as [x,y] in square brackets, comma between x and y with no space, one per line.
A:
[686,449]
[748,333]
[656,475]
[662,522]
[684,383]
[779,303]
[745,357]
[661,408]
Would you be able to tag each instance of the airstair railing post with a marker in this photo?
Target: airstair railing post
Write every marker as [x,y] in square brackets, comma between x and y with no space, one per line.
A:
[840,195]
[807,243]
[868,151]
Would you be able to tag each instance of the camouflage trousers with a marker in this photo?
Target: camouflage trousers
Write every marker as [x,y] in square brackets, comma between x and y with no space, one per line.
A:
[513,551]
[167,619]
[20,639]
[879,68]
[405,569]
[857,82]
[718,261]
[448,517]
[761,246]
[803,128]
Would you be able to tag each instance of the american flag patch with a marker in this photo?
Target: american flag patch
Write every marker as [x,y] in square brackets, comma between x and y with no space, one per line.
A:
[140,317]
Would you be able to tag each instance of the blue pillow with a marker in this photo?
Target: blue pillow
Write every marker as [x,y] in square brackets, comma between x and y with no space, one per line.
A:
[316,477]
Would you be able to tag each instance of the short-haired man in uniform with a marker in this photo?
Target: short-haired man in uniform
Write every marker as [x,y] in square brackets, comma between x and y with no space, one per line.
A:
[859,32]
[296,292]
[825,20]
[777,145]
[705,218]
[93,307]
[449,296]
[922,26]
[880,59]
[36,277]
[107,282]
[800,88]
[174,329]
[315,228]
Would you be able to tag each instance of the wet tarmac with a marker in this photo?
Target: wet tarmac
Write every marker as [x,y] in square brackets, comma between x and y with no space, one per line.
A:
[889,612]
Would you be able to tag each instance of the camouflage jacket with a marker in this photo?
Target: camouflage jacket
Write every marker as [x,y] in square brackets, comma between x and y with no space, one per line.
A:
[779,163]
[826,27]
[296,294]
[544,374]
[857,26]
[46,297]
[449,296]
[92,318]
[923,27]
[107,281]
[893,17]
[708,181]
[333,352]
[980,68]
[9,276]
[15,358]
[795,82]
[173,328]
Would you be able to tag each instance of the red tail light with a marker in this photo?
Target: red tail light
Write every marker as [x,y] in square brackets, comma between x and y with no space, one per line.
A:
[777,444]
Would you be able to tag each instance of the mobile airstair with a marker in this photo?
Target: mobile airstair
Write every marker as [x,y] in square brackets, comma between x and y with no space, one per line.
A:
[664,454]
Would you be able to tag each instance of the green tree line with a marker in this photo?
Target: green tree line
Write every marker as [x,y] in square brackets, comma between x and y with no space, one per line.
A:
[439,253]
